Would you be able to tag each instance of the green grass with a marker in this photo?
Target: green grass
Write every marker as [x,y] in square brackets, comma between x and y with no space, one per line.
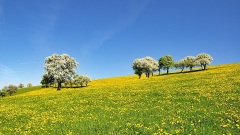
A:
[202,102]
[27,89]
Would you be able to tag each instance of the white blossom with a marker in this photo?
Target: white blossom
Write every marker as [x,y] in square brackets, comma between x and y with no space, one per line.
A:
[180,64]
[190,62]
[204,59]
[81,79]
[145,65]
[60,67]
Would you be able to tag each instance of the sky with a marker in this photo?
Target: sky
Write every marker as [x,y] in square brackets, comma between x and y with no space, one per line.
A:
[105,36]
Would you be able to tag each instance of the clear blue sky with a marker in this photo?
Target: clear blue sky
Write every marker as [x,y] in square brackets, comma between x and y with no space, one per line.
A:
[105,36]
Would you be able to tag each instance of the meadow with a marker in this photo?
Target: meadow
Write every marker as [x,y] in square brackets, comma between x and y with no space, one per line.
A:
[200,102]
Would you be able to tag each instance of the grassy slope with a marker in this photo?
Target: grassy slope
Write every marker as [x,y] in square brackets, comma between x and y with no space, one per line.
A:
[203,102]
[25,90]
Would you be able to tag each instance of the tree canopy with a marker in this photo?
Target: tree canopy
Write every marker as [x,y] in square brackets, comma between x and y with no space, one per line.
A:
[204,59]
[166,62]
[60,67]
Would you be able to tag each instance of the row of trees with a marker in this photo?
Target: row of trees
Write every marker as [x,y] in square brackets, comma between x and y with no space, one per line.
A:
[22,85]
[12,89]
[62,69]
[148,65]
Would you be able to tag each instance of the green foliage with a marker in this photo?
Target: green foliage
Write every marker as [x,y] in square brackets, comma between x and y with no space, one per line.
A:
[47,80]
[29,85]
[11,89]
[21,85]
[190,62]
[138,72]
[180,64]
[3,93]
[166,62]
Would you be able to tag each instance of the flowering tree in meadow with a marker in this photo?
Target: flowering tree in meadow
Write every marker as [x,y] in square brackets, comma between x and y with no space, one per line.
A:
[204,59]
[190,62]
[166,62]
[180,64]
[60,67]
[11,89]
[21,85]
[86,80]
[152,65]
[145,65]
[138,67]
[77,79]
[81,79]
[29,85]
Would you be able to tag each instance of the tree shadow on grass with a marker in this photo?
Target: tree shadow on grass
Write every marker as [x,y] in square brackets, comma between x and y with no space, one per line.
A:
[74,87]
[187,72]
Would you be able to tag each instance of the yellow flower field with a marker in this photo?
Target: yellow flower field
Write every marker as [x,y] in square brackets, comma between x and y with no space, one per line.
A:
[200,102]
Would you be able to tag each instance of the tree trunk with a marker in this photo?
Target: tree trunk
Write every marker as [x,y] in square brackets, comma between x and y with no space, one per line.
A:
[167,70]
[152,73]
[159,71]
[59,86]
[190,68]
[70,83]
[204,67]
[139,76]
[182,71]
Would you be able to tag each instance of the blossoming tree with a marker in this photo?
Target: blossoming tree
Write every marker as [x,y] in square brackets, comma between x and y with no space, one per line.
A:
[60,67]
[204,59]
[190,62]
[145,65]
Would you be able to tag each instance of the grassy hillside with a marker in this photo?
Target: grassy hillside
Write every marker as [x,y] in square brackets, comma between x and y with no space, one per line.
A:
[202,102]
[25,90]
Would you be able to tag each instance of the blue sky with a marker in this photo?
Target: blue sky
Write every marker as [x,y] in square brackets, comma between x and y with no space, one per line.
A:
[105,36]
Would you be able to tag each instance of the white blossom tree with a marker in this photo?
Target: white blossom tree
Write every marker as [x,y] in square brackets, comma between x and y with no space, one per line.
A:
[152,65]
[86,80]
[180,64]
[81,79]
[60,67]
[204,59]
[138,67]
[190,62]
[145,65]
[29,85]
[78,80]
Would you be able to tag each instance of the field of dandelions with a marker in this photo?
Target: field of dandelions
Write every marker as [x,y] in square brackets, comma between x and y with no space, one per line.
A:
[201,102]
